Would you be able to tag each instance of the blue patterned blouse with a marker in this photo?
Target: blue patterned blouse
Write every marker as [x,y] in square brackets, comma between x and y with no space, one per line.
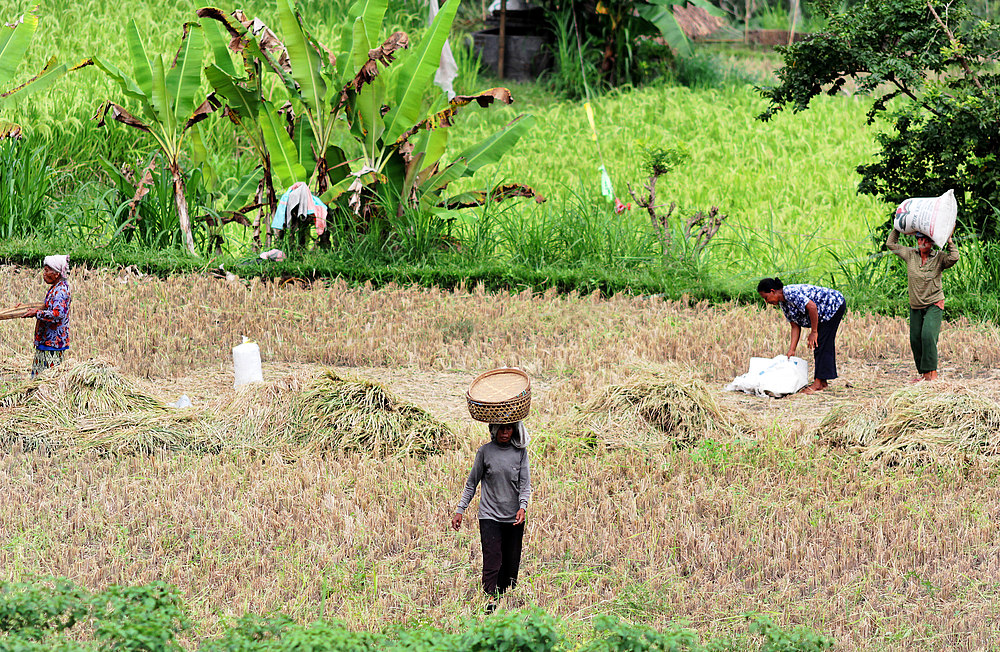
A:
[52,325]
[827,301]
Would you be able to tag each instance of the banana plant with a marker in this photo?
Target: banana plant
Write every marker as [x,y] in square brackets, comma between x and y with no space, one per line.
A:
[14,41]
[357,125]
[171,103]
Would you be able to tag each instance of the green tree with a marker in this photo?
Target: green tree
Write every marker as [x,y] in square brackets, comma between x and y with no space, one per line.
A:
[931,67]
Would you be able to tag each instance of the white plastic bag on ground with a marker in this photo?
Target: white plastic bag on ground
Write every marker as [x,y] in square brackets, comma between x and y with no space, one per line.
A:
[775,376]
[246,364]
[933,216]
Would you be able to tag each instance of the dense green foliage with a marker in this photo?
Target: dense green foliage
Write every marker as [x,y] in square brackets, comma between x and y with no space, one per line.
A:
[932,67]
[61,616]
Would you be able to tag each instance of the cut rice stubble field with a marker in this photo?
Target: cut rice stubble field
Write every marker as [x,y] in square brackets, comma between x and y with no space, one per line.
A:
[775,522]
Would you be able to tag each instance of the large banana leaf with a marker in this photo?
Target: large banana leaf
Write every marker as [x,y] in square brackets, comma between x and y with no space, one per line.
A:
[284,158]
[160,100]
[243,191]
[13,45]
[493,148]
[241,100]
[473,158]
[219,43]
[305,60]
[371,12]
[142,71]
[304,140]
[184,77]
[417,73]
[126,83]
[661,14]
[43,79]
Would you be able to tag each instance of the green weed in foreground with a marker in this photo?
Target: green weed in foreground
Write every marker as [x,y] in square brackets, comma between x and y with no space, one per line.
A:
[58,615]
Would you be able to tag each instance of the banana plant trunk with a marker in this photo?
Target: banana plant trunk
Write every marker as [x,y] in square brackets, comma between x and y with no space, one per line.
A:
[182,207]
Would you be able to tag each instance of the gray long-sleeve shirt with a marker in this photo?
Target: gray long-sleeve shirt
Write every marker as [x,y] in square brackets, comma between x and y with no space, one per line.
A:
[506,479]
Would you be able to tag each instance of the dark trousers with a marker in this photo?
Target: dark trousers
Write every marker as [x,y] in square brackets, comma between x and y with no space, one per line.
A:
[501,554]
[925,326]
[825,353]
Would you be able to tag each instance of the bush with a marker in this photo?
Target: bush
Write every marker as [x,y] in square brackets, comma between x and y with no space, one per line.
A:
[56,615]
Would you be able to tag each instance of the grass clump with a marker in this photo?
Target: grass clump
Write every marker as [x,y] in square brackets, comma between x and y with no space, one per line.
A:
[358,415]
[654,413]
[917,425]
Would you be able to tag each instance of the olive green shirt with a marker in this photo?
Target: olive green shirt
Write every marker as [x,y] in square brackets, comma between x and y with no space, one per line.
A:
[924,278]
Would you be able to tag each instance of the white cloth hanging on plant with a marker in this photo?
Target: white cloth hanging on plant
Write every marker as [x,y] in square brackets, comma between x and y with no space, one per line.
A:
[447,70]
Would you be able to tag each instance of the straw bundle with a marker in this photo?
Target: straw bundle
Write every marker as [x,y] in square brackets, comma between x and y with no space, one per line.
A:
[358,415]
[259,416]
[654,413]
[89,405]
[918,425]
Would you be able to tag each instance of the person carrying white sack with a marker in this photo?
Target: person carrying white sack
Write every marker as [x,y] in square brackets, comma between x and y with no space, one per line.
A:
[924,266]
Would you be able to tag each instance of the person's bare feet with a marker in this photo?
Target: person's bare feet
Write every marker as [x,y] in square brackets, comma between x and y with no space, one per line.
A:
[930,375]
[817,386]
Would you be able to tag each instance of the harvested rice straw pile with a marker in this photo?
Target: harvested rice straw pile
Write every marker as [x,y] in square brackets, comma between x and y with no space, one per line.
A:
[919,424]
[261,416]
[654,413]
[337,413]
[89,405]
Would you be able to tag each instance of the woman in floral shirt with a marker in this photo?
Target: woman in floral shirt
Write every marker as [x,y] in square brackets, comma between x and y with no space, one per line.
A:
[814,307]
[52,321]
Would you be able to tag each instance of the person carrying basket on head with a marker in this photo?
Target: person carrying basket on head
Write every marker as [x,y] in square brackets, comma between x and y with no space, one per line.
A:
[501,467]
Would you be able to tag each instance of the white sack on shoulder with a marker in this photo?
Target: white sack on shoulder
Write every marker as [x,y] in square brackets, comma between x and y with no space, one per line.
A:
[933,216]
[777,376]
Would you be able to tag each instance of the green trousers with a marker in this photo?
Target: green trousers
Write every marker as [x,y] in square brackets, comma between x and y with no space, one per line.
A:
[925,326]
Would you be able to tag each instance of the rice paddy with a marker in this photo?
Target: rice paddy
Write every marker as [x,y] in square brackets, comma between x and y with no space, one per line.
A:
[752,511]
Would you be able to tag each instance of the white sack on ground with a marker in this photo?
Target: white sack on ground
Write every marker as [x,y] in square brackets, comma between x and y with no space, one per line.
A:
[775,376]
[933,216]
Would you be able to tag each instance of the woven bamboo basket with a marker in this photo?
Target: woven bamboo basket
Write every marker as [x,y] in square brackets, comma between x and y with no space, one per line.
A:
[500,396]
[18,312]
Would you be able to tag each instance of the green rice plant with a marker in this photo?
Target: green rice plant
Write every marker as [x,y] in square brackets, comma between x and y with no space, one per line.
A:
[27,180]
[469,64]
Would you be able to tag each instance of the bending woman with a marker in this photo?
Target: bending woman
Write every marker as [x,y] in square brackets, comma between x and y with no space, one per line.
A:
[814,307]
[52,321]
[502,468]
[923,274]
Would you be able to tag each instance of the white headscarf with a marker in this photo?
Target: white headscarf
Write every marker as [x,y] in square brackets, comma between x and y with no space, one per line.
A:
[59,264]
[519,439]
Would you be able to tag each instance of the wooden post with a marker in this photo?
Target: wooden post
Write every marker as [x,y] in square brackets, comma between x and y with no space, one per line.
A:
[502,45]
[746,23]
[795,14]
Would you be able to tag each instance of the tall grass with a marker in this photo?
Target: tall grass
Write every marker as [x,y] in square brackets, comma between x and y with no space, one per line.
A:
[26,183]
